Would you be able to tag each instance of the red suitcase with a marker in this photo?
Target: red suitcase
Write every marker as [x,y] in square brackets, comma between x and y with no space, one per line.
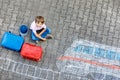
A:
[31,51]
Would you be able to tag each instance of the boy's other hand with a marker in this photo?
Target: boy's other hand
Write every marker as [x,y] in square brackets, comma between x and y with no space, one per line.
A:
[44,39]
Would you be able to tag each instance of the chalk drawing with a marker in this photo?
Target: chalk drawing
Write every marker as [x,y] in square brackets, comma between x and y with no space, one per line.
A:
[23,69]
[84,57]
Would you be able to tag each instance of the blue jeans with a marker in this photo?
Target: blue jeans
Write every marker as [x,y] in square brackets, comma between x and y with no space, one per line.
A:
[43,35]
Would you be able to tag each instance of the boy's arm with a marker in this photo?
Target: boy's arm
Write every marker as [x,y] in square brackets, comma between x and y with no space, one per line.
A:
[37,35]
[42,32]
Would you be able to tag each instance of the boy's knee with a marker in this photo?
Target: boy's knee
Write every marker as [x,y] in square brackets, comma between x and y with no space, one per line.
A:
[48,30]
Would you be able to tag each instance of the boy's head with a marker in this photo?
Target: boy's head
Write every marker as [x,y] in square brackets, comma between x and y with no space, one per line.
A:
[39,20]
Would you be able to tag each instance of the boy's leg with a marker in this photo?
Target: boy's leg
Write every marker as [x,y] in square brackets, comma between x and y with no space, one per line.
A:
[47,31]
[49,36]
[34,37]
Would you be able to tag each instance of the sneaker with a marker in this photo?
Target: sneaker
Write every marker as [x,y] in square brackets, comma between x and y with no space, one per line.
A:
[49,37]
[36,42]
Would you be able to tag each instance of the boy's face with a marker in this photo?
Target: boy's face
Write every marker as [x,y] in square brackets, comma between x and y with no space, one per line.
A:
[39,24]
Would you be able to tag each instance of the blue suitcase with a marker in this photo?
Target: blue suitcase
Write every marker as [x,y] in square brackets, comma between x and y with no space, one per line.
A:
[12,41]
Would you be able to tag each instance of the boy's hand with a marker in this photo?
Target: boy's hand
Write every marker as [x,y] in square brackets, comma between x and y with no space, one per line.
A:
[44,39]
[40,37]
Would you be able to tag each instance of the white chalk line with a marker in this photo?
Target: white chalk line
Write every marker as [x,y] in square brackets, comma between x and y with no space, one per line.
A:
[21,72]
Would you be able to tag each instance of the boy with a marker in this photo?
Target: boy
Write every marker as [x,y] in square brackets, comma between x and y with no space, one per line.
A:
[39,29]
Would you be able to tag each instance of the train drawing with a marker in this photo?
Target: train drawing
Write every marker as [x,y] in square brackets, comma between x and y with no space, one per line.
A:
[84,57]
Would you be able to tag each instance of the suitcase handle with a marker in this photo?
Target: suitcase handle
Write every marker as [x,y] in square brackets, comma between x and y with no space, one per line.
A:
[20,35]
[10,32]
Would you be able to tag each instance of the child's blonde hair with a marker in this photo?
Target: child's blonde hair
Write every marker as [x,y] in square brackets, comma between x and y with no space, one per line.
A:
[39,19]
